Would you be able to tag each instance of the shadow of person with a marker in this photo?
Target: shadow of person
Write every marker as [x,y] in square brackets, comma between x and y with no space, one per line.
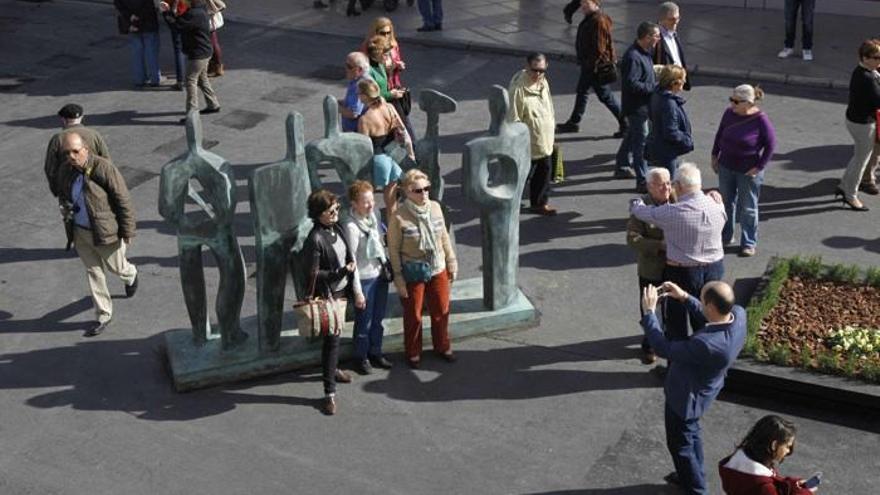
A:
[851,242]
[52,321]
[15,255]
[643,489]
[606,255]
[515,373]
[119,117]
[129,376]
[815,158]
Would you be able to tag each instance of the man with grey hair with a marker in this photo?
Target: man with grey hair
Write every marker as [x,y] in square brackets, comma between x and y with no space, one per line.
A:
[71,120]
[357,67]
[647,240]
[694,252]
[669,50]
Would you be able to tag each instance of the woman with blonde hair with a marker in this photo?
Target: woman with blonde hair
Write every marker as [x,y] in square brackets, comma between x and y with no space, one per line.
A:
[670,127]
[424,265]
[394,64]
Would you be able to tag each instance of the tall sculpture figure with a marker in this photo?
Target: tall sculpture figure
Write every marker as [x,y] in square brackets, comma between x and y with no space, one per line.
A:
[210,224]
[350,153]
[278,194]
[427,149]
[494,170]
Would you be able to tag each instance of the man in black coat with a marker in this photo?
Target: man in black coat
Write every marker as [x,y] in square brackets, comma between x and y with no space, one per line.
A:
[195,30]
[669,50]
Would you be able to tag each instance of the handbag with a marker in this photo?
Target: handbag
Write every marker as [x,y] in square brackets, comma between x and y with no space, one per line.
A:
[318,317]
[386,273]
[406,102]
[416,271]
[606,72]
[216,21]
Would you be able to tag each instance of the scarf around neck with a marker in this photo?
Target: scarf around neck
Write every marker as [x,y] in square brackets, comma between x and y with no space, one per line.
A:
[427,243]
[370,227]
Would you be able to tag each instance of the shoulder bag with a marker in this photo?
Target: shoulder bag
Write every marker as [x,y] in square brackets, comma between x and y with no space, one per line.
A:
[606,72]
[318,317]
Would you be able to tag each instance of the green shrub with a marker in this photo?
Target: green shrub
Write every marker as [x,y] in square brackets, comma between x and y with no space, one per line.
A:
[807,267]
[843,273]
[871,372]
[806,357]
[779,354]
[872,276]
[826,361]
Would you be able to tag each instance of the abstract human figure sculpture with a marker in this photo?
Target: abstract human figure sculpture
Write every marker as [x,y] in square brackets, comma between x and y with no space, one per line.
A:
[494,170]
[350,153]
[208,223]
[427,149]
[278,194]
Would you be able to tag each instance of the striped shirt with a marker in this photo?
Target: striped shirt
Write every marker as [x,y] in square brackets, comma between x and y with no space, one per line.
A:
[692,227]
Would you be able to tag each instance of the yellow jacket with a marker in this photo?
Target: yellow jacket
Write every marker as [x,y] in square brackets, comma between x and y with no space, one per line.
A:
[533,106]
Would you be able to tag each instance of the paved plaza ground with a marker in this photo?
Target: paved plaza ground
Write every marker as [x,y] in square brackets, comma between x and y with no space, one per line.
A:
[563,408]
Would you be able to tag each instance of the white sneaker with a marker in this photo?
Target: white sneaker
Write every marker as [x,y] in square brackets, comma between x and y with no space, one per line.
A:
[785,53]
[808,55]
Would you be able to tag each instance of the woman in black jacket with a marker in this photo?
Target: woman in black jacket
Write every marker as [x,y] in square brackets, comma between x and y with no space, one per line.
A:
[861,122]
[331,271]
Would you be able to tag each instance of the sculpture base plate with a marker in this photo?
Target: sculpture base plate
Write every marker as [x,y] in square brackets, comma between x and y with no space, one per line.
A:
[193,367]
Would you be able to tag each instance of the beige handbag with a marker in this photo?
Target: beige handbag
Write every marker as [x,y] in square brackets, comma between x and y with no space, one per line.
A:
[317,317]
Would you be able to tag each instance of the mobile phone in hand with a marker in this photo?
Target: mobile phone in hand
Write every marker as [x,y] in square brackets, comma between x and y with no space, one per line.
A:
[814,481]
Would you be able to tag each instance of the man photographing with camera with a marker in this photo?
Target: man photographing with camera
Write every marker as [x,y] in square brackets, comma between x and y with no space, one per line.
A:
[697,369]
[97,208]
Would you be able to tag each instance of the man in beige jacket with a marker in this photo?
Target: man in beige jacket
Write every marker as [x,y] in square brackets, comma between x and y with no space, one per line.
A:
[531,104]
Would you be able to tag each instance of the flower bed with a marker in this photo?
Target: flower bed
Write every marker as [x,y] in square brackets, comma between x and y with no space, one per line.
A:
[818,317]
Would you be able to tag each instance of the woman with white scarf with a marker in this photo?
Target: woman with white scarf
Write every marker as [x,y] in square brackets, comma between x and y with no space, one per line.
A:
[424,266]
[370,287]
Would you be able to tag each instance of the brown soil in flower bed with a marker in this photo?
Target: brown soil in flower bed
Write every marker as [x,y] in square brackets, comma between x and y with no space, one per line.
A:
[808,309]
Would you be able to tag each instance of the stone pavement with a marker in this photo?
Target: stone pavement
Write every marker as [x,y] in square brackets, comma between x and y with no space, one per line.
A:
[564,408]
[720,41]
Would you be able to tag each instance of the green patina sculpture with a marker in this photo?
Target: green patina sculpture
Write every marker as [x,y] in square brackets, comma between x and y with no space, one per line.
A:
[427,149]
[208,222]
[278,194]
[494,170]
[350,153]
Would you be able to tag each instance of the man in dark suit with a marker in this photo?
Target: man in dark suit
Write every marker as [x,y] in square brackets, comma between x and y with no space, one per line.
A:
[669,50]
[697,368]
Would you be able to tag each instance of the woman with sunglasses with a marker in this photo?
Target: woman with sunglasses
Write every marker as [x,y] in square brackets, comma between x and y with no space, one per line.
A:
[332,271]
[424,266]
[752,469]
[670,127]
[394,64]
[744,144]
[861,122]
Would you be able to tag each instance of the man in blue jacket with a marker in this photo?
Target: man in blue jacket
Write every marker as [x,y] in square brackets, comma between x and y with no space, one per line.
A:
[697,368]
[637,84]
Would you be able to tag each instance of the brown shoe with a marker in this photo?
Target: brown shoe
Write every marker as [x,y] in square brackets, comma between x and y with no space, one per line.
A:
[544,210]
[342,376]
[648,357]
[869,188]
[329,406]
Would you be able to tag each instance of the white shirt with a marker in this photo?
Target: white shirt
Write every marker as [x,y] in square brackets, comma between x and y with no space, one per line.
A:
[671,45]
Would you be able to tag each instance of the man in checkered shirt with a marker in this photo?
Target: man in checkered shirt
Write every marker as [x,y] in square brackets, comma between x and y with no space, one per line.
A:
[694,251]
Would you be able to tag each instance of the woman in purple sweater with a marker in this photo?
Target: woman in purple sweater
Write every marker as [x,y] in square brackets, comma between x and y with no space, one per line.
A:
[743,146]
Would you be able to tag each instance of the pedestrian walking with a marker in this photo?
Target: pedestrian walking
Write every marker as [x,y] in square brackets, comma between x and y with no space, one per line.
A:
[357,66]
[138,20]
[424,265]
[71,120]
[215,10]
[432,15]
[862,122]
[195,30]
[398,94]
[744,144]
[806,7]
[670,127]
[331,273]
[650,246]
[362,230]
[532,104]
[694,252]
[753,467]
[696,370]
[99,214]
[595,55]
[178,7]
[637,84]
[669,51]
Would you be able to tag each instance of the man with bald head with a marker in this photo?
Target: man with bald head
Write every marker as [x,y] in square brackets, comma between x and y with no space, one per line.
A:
[103,224]
[697,368]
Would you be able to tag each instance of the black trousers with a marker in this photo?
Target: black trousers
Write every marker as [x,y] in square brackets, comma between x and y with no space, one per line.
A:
[329,362]
[539,181]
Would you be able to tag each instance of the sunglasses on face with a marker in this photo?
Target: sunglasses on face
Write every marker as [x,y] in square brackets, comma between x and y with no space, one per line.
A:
[385,33]
[422,190]
[735,101]
[538,71]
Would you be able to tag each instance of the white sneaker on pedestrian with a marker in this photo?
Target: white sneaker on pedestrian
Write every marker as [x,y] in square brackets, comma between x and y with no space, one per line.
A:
[808,55]
[785,53]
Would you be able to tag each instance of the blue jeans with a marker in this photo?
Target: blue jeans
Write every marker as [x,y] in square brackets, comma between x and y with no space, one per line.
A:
[686,447]
[586,81]
[632,147]
[791,11]
[179,57]
[432,12]
[385,170]
[740,193]
[368,328]
[144,52]
[691,279]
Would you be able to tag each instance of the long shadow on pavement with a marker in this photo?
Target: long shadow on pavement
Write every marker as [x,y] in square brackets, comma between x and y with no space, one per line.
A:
[52,321]
[643,489]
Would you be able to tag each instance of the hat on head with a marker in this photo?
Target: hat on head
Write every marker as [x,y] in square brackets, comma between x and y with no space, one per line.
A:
[71,111]
[745,92]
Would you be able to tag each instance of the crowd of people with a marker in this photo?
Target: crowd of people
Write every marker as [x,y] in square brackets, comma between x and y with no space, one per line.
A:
[678,229]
